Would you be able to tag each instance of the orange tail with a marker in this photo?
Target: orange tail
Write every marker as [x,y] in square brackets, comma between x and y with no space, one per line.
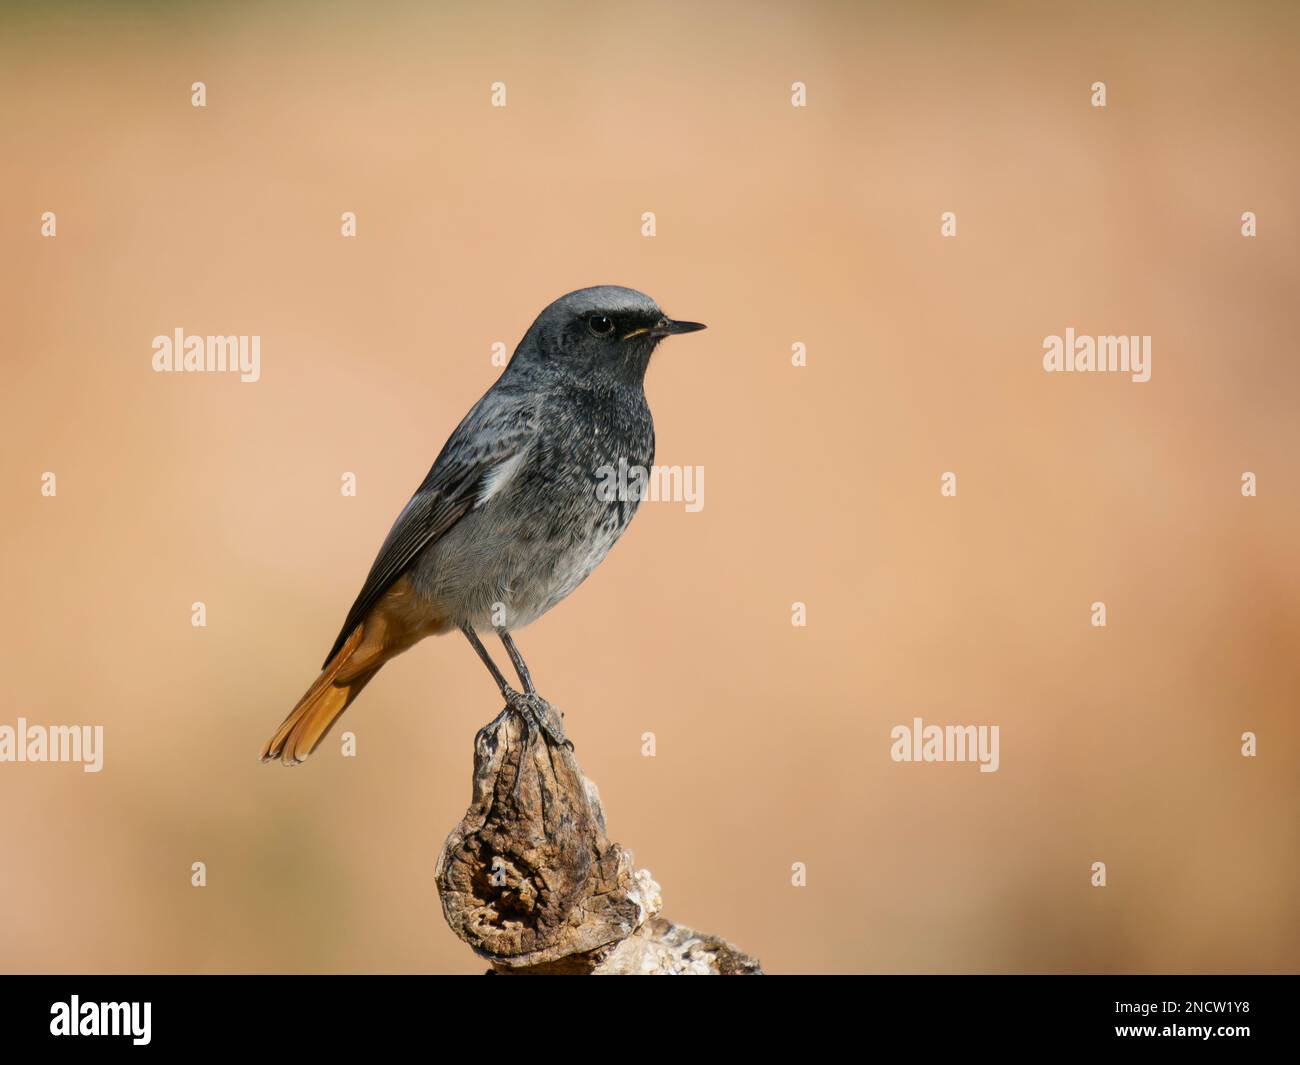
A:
[399,620]
[317,711]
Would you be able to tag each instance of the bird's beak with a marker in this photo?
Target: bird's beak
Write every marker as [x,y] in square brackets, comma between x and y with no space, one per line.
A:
[666,327]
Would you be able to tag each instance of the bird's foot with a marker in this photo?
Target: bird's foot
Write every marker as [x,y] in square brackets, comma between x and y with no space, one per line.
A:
[536,715]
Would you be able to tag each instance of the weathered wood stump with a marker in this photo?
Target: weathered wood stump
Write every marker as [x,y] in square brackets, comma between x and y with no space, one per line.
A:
[531,881]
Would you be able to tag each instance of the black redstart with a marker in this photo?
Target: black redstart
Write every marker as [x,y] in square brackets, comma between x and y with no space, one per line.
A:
[511,518]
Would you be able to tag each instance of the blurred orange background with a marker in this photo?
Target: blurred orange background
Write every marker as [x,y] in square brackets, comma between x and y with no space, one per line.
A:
[775,225]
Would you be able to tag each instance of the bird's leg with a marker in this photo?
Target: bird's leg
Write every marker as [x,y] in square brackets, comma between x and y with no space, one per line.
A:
[526,678]
[477,644]
[511,697]
[532,709]
[521,667]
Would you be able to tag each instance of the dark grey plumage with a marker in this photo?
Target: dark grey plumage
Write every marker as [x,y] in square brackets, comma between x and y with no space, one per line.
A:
[509,520]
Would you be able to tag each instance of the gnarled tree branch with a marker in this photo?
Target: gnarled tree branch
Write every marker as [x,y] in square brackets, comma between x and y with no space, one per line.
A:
[531,881]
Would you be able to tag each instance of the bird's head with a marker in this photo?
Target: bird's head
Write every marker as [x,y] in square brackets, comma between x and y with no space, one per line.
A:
[603,331]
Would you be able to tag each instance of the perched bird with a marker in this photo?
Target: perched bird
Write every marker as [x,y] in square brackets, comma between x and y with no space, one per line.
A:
[511,517]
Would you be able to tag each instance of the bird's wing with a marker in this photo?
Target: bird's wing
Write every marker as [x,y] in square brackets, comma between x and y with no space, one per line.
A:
[498,430]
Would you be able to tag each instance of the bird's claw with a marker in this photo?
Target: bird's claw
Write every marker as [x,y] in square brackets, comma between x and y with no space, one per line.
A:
[534,712]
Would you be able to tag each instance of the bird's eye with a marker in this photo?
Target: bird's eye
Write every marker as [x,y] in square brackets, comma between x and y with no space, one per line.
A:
[600,325]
